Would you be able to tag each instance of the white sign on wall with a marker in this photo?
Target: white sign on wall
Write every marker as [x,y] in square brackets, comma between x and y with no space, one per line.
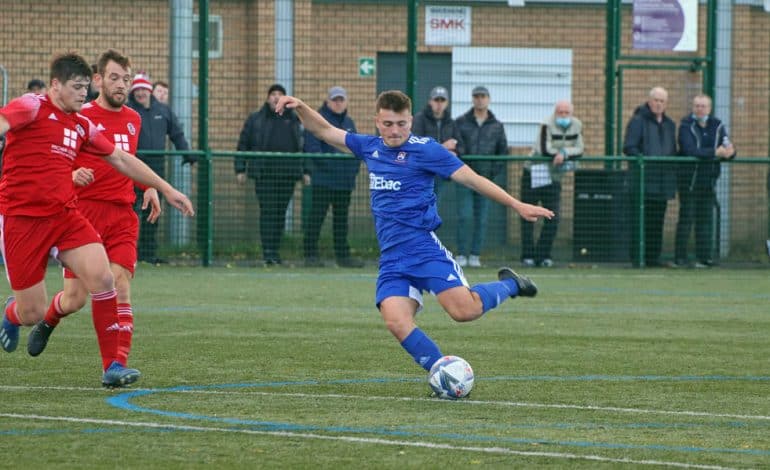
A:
[447,25]
[670,25]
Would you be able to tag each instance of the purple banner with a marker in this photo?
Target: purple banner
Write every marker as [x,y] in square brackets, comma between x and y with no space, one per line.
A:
[669,25]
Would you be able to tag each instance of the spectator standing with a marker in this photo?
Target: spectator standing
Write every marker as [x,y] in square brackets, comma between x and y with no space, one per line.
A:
[274,178]
[560,138]
[651,133]
[158,121]
[160,91]
[482,134]
[331,183]
[436,121]
[705,137]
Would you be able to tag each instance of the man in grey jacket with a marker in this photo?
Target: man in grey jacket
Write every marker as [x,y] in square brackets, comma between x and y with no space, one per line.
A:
[482,134]
[651,133]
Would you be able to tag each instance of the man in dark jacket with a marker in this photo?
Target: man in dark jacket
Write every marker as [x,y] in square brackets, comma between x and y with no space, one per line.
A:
[651,133]
[704,137]
[158,121]
[436,121]
[331,182]
[274,178]
[482,134]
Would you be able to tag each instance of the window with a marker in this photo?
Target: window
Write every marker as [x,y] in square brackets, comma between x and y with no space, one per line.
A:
[215,36]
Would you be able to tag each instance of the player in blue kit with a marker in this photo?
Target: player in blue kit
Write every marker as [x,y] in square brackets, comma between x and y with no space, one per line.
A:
[412,259]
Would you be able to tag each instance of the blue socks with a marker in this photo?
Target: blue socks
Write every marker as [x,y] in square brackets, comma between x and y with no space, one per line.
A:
[494,293]
[421,348]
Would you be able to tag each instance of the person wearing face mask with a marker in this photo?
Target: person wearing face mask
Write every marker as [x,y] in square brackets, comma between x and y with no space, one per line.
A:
[705,137]
[560,138]
[274,178]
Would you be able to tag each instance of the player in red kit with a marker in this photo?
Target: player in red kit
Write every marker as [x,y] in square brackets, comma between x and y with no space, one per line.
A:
[38,213]
[106,198]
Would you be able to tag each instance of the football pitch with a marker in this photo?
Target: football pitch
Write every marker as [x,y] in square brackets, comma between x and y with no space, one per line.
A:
[293,368]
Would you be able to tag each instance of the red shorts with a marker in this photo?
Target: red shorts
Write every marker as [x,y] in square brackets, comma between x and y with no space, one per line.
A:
[118,226]
[28,241]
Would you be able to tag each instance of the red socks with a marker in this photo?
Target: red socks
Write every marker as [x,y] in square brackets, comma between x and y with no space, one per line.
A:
[10,314]
[104,308]
[54,315]
[125,333]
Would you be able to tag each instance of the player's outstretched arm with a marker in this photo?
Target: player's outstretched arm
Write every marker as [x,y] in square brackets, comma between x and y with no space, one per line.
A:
[314,122]
[469,178]
[138,171]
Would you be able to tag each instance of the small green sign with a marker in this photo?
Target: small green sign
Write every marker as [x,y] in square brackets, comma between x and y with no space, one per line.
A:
[366,67]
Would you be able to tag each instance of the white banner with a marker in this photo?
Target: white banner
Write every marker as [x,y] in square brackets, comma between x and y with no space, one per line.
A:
[447,25]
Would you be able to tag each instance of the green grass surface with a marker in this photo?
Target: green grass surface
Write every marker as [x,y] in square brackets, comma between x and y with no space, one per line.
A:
[293,368]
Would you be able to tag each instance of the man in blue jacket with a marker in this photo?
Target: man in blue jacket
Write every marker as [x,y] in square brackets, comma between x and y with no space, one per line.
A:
[651,133]
[158,121]
[704,137]
[331,182]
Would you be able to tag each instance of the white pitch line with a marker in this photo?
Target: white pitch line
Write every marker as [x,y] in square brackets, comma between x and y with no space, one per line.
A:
[702,414]
[366,440]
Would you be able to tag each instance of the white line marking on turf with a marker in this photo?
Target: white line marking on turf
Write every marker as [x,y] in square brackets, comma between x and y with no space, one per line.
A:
[703,414]
[364,440]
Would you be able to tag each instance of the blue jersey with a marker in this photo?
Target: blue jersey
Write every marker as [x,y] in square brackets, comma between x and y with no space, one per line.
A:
[401,184]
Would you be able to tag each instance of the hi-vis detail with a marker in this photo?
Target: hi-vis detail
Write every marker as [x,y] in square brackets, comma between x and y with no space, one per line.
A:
[378,183]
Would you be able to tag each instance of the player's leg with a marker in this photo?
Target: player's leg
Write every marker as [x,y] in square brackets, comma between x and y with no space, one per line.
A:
[123,278]
[89,263]
[24,307]
[399,301]
[69,300]
[398,313]
[467,304]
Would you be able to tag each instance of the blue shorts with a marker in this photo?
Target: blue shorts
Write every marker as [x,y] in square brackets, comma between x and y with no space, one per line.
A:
[421,264]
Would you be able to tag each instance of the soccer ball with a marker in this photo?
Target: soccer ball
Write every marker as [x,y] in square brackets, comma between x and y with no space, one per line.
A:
[451,377]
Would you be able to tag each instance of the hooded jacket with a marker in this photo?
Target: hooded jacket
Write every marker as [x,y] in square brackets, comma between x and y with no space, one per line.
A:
[331,173]
[646,136]
[700,142]
[487,139]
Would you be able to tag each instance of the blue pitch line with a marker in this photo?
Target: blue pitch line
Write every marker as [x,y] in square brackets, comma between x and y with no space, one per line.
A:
[661,292]
[123,401]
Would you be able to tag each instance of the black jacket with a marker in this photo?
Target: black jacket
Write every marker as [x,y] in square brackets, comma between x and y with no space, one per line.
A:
[646,136]
[158,121]
[425,124]
[331,173]
[487,139]
[700,142]
[268,131]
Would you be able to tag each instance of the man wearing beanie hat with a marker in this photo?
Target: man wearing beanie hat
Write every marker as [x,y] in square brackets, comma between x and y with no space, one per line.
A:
[274,177]
[158,121]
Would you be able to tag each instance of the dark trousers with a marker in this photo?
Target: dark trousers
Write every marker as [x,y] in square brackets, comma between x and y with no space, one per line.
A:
[147,246]
[695,206]
[654,216]
[322,198]
[550,197]
[274,195]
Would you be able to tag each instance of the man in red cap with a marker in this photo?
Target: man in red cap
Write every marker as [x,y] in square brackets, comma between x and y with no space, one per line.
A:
[158,121]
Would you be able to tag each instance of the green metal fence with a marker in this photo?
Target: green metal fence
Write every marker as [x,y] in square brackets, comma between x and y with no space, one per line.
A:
[595,219]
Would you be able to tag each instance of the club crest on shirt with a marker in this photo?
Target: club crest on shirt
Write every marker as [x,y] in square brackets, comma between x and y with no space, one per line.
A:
[80,130]
[401,157]
[131,128]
